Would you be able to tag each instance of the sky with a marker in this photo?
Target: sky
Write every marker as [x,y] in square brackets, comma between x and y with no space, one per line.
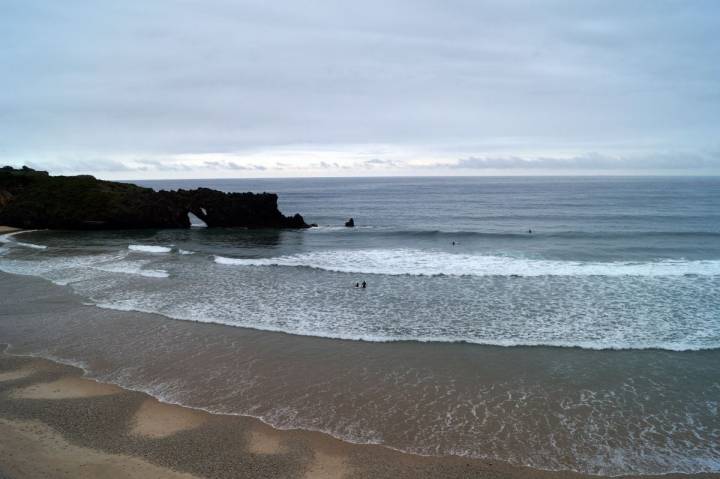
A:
[245,88]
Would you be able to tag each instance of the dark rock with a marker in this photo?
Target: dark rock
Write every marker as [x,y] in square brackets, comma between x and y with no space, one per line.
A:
[34,199]
[350,223]
[248,210]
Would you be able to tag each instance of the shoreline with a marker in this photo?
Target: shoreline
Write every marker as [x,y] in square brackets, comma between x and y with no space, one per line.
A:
[33,383]
[84,426]
[8,229]
[284,452]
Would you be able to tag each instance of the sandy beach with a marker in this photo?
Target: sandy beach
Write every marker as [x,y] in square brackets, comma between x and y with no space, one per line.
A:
[55,423]
[7,229]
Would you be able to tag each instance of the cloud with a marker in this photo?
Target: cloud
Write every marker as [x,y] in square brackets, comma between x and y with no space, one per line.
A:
[163,79]
[76,165]
[231,165]
[378,163]
[145,164]
[593,161]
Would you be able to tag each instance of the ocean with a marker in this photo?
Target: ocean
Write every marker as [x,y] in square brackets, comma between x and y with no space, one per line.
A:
[560,323]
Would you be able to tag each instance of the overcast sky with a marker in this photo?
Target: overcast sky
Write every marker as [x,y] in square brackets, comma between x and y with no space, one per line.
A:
[237,88]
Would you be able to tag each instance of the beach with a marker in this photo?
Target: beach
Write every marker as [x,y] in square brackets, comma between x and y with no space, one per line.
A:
[55,423]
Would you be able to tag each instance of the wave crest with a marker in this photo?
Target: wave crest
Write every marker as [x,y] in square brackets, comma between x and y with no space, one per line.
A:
[8,239]
[149,248]
[436,263]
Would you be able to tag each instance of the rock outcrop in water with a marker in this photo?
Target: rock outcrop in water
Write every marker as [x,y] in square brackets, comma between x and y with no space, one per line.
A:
[250,210]
[34,199]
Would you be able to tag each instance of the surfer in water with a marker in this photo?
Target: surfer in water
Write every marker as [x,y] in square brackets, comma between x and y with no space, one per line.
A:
[363,284]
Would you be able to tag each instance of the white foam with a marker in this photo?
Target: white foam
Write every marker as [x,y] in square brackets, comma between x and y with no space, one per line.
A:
[149,248]
[54,264]
[434,263]
[633,313]
[8,239]
[154,273]
[183,251]
[332,228]
[31,245]
[502,332]
[136,268]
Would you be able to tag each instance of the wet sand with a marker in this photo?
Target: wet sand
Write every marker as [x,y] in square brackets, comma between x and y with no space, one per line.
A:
[31,449]
[55,423]
[7,229]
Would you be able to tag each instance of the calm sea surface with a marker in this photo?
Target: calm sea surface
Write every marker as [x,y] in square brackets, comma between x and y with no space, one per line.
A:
[562,323]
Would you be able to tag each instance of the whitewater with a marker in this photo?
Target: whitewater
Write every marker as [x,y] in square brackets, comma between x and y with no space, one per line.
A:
[429,263]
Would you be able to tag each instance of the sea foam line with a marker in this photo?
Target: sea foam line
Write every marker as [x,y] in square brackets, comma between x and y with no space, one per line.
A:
[149,248]
[134,269]
[435,263]
[52,269]
[8,239]
[449,339]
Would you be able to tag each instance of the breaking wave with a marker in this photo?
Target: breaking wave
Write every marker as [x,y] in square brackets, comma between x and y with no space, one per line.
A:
[149,248]
[9,239]
[66,270]
[429,263]
[136,268]
[594,345]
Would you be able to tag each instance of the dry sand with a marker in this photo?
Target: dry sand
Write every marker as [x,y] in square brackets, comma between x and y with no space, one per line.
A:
[54,423]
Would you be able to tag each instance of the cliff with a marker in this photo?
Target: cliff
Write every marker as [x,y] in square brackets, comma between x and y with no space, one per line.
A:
[34,199]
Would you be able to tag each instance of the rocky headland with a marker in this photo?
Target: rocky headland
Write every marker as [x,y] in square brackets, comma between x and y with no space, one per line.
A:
[34,199]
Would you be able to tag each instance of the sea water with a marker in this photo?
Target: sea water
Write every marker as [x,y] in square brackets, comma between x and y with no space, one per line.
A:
[561,323]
